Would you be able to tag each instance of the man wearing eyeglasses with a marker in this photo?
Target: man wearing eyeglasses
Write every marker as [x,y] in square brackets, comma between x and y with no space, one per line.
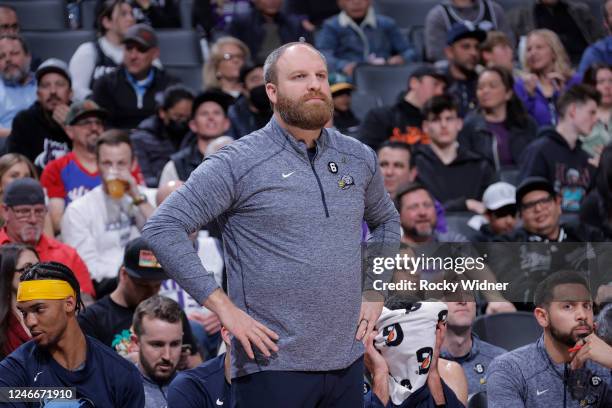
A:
[24,210]
[128,93]
[71,176]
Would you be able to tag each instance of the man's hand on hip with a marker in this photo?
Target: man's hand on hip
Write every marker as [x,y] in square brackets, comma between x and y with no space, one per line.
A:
[247,330]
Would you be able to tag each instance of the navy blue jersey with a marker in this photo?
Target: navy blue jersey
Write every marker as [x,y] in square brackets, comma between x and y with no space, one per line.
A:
[105,381]
[201,387]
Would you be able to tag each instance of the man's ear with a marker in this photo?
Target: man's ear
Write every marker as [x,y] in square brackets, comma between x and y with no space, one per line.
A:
[271,92]
[541,316]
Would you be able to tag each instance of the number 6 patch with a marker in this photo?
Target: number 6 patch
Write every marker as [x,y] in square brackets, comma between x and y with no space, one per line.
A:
[333,167]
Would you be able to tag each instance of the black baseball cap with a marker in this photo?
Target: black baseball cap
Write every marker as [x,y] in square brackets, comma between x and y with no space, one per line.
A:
[467,29]
[24,191]
[140,262]
[533,184]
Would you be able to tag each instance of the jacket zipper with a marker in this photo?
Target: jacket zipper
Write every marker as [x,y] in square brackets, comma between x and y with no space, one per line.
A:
[320,186]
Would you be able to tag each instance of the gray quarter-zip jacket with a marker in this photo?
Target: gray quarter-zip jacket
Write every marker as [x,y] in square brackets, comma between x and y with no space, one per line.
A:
[292,240]
[528,378]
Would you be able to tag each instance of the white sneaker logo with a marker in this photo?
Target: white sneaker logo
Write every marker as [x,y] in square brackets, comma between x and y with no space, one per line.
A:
[538,392]
[285,175]
[219,402]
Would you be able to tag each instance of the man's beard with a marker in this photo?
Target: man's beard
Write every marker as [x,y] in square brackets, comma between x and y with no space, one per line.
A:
[298,114]
[150,371]
[418,234]
[567,338]
[16,76]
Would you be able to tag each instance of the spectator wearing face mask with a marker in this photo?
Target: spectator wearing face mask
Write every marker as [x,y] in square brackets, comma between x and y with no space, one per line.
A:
[252,110]
[162,134]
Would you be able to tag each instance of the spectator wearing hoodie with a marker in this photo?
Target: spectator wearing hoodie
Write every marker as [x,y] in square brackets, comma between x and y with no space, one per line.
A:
[557,154]
[501,129]
[403,121]
[162,134]
[443,166]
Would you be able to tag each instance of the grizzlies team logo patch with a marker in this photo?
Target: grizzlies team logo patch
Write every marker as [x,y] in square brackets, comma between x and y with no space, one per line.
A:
[345,182]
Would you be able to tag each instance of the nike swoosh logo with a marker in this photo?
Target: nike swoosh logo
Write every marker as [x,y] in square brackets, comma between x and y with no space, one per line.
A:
[285,175]
[538,392]
[219,402]
[36,376]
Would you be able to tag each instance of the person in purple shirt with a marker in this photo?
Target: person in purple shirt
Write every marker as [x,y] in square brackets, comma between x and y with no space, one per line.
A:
[548,70]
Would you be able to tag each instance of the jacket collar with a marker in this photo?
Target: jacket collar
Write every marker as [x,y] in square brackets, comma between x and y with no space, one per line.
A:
[286,139]
[370,19]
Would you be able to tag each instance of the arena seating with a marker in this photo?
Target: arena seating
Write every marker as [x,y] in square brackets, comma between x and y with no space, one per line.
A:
[494,329]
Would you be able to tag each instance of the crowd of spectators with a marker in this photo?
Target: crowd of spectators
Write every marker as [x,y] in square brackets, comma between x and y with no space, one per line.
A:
[505,122]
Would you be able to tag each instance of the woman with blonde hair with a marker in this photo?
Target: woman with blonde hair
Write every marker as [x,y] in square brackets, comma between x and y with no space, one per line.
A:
[222,70]
[547,72]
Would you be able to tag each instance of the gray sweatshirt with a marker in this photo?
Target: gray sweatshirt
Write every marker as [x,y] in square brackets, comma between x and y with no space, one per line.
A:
[292,235]
[528,378]
[437,24]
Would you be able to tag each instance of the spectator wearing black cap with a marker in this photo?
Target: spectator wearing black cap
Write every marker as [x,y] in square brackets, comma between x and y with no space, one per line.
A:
[454,175]
[539,206]
[140,277]
[344,118]
[162,134]
[208,122]
[557,154]
[38,131]
[93,59]
[23,211]
[101,222]
[402,122]
[485,14]
[463,53]
[129,92]
[252,110]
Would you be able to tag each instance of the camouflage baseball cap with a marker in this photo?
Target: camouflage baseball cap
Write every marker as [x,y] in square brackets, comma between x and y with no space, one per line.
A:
[84,108]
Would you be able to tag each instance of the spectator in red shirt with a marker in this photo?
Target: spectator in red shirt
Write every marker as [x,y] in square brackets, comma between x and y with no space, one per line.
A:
[24,210]
[76,173]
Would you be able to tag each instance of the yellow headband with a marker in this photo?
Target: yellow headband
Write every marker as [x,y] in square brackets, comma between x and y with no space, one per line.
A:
[47,289]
